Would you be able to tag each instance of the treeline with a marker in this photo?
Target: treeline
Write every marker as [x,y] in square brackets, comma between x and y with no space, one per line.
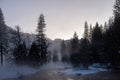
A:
[100,44]
[13,45]
[89,49]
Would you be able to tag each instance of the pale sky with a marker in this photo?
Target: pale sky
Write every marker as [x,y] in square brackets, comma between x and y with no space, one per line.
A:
[63,17]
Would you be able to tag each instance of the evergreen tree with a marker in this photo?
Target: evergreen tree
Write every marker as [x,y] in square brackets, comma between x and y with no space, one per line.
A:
[110,22]
[105,26]
[20,50]
[38,51]
[74,44]
[97,42]
[113,39]
[17,37]
[90,33]
[84,55]
[97,33]
[3,37]
[117,10]
[74,50]
[86,33]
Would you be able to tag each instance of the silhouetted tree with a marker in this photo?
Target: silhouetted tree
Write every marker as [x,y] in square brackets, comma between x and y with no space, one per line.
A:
[84,50]
[74,44]
[97,42]
[84,55]
[113,39]
[38,50]
[74,50]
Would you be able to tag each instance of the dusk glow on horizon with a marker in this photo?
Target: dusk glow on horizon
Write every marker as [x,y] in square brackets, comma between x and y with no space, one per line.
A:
[63,17]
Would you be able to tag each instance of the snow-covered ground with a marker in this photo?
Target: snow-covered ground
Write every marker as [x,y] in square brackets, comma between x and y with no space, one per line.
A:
[74,72]
[12,71]
[68,70]
[80,71]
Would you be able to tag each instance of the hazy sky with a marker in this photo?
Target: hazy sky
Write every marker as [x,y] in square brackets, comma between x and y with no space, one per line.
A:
[63,17]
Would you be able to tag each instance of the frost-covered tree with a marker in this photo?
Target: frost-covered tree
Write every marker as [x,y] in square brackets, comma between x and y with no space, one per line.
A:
[117,9]
[3,37]
[20,50]
[16,35]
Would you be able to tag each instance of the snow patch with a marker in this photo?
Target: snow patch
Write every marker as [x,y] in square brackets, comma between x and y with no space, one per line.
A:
[78,72]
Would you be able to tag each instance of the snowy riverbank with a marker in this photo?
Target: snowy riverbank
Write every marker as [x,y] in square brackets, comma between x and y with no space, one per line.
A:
[65,69]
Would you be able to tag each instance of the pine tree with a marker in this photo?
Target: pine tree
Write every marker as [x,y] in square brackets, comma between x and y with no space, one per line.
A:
[110,22]
[86,31]
[74,50]
[97,42]
[38,51]
[117,9]
[17,37]
[84,55]
[84,48]
[20,50]
[105,26]
[74,44]
[90,33]
[113,39]
[3,36]
[97,33]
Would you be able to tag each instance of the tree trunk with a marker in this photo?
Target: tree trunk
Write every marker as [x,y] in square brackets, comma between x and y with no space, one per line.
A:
[1,56]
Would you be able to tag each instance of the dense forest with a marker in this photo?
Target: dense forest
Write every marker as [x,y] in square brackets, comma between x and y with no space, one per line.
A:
[99,44]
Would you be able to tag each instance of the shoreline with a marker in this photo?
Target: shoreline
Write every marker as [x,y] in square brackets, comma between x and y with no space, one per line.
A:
[55,75]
